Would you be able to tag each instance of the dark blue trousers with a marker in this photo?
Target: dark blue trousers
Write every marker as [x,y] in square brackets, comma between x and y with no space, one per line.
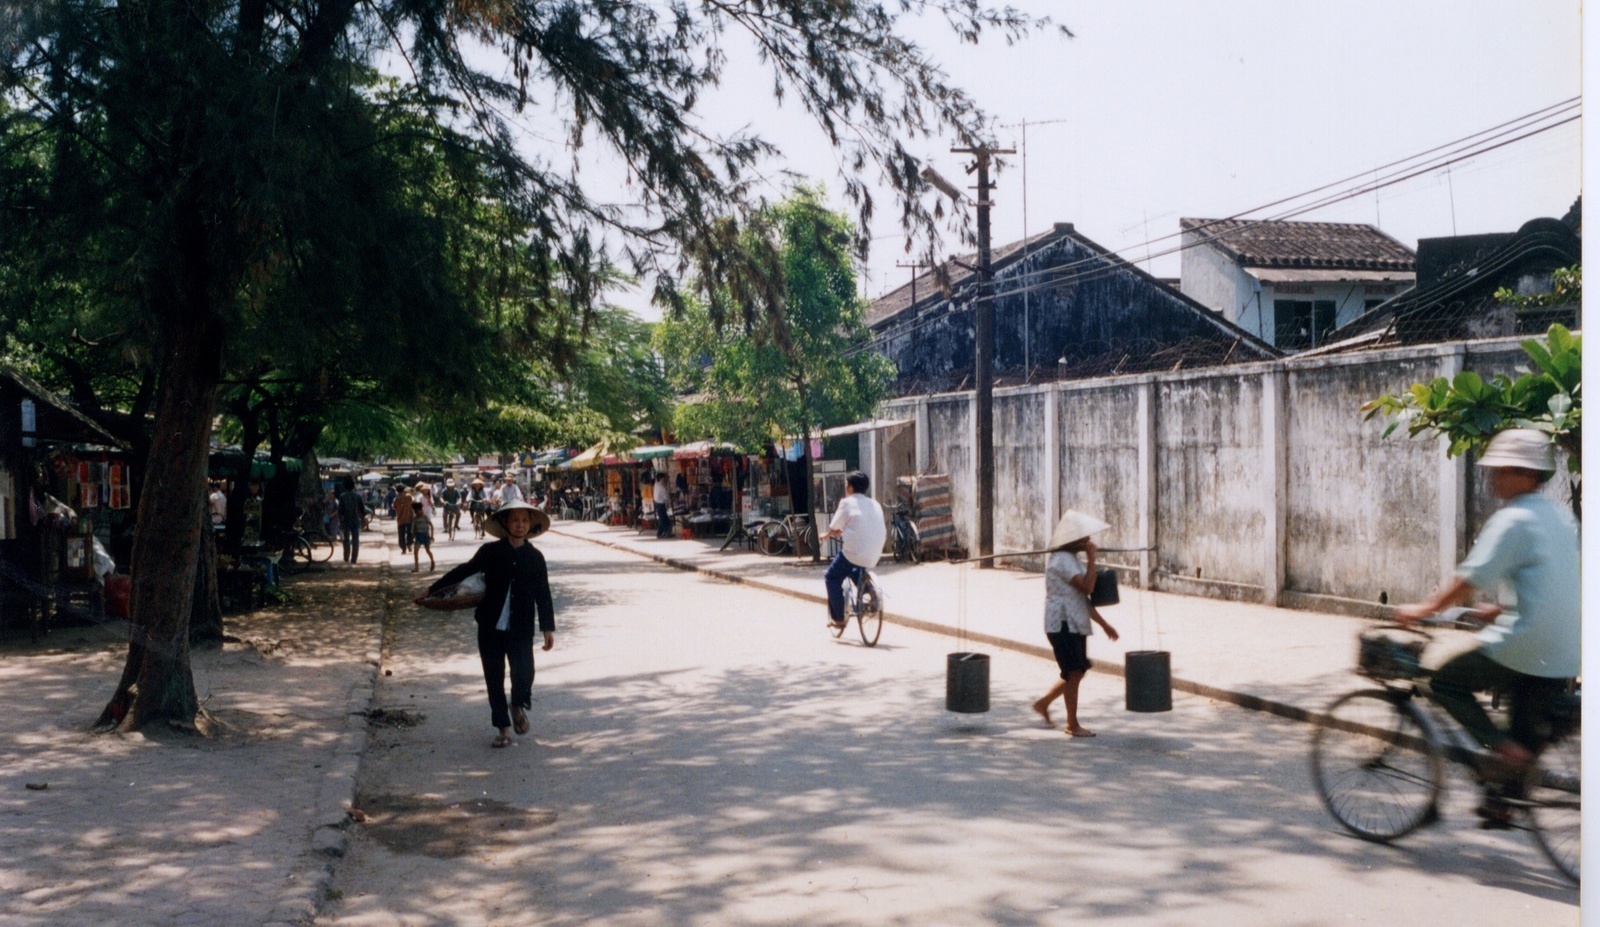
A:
[838,571]
[498,648]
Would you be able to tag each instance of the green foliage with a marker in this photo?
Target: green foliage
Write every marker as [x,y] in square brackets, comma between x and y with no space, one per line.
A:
[806,365]
[1469,410]
[1566,289]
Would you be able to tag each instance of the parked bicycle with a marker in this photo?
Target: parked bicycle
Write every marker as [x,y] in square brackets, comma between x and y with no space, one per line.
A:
[864,603]
[784,534]
[903,534]
[1378,756]
[300,550]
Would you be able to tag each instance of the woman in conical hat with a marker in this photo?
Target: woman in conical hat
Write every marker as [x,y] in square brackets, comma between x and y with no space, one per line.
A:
[1069,619]
[516,600]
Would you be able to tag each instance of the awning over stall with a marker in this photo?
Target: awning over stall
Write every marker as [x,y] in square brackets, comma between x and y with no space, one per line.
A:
[51,418]
[589,458]
[869,425]
[652,451]
[702,449]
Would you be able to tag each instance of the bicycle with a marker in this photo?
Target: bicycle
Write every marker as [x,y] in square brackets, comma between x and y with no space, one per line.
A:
[299,551]
[903,532]
[864,602]
[1378,755]
[780,535]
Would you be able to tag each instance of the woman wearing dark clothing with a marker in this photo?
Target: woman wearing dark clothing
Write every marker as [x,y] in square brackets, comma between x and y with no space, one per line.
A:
[516,597]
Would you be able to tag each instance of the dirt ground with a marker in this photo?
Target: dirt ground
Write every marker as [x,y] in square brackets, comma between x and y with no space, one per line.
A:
[159,827]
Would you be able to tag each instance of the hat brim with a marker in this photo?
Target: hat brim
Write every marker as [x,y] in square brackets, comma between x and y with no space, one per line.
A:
[495,527]
[1075,526]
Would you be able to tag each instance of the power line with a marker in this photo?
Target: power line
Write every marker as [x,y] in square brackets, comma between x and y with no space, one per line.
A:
[1458,150]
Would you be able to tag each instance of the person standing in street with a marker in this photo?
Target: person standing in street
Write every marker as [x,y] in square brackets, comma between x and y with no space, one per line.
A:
[660,497]
[218,500]
[509,492]
[1528,552]
[352,514]
[859,521]
[404,509]
[421,536]
[1069,618]
[516,600]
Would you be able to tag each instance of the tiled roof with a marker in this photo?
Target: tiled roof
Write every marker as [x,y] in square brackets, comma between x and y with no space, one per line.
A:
[957,271]
[1324,245]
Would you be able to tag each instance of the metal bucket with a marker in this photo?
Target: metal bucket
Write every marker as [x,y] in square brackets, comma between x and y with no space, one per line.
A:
[966,683]
[1149,678]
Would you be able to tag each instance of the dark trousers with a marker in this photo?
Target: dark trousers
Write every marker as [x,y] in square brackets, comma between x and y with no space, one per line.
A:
[498,648]
[405,537]
[663,520]
[351,536]
[1456,684]
[838,571]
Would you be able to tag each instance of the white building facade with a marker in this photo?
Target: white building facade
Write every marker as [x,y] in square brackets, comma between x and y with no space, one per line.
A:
[1291,283]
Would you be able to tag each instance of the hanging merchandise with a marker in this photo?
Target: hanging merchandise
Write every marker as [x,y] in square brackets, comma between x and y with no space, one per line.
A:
[88,494]
[118,483]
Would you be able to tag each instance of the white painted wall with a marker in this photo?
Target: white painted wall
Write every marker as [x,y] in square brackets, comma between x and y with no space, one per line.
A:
[1257,482]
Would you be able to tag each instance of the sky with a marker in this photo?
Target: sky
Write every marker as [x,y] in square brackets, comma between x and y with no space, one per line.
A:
[1159,110]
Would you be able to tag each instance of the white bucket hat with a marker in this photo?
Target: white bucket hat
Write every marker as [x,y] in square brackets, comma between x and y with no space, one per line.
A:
[1520,447]
[495,525]
[1074,526]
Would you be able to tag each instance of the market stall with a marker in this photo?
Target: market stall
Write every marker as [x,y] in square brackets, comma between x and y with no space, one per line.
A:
[710,481]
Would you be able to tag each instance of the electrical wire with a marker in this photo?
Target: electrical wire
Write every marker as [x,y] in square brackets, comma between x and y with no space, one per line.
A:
[1456,151]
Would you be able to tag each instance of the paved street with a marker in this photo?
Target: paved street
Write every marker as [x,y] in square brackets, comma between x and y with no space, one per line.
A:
[704,753]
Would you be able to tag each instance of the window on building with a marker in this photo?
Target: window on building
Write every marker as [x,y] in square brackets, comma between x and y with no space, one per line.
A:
[1302,323]
[1368,305]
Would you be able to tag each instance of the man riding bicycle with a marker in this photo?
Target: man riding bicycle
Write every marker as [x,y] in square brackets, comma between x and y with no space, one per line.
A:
[1529,550]
[451,497]
[859,521]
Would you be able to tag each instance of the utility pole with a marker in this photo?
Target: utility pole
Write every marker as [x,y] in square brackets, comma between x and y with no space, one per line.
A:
[916,270]
[983,361]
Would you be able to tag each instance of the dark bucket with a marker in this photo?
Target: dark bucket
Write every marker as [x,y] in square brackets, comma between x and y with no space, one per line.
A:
[966,683]
[1149,678]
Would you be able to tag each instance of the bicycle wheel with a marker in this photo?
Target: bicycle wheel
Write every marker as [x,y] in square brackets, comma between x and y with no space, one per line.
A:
[913,543]
[1554,810]
[773,539]
[869,613]
[323,549]
[1376,765]
[808,539]
[849,589]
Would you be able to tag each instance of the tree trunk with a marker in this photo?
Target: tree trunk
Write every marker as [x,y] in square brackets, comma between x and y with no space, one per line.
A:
[157,683]
[205,619]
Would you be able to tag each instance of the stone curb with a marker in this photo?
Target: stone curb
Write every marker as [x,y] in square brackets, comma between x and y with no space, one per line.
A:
[336,789]
[1115,667]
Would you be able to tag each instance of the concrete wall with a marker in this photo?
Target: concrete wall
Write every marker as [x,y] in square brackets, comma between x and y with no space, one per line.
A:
[1257,482]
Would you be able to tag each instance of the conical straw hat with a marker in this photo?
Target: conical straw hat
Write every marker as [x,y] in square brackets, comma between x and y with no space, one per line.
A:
[1075,525]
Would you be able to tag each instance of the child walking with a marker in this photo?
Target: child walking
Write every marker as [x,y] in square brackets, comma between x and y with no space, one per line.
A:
[421,538]
[1069,619]
[516,594]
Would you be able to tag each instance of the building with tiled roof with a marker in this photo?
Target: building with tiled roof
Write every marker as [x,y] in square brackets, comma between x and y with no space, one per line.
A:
[1065,308]
[1292,283]
[1459,280]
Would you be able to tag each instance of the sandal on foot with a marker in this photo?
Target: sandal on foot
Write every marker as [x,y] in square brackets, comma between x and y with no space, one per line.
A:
[501,741]
[519,721]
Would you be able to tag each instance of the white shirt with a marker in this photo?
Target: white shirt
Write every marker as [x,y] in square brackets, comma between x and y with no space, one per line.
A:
[661,496]
[510,492]
[860,517]
[1065,605]
[1528,550]
[219,506]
